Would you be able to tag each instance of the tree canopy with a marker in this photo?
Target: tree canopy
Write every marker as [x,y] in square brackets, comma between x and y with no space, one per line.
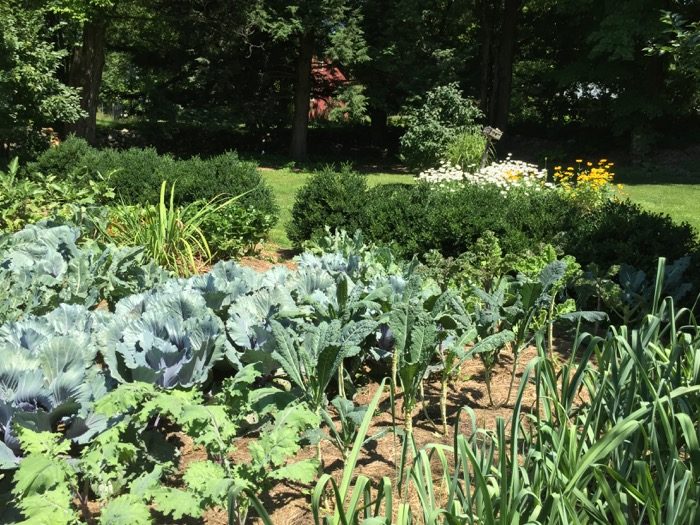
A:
[626,69]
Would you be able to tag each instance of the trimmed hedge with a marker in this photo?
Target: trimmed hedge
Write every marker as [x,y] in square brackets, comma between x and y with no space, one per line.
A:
[417,218]
[136,174]
[328,198]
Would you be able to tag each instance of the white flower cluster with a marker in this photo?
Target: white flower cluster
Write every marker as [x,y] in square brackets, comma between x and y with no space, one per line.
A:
[506,174]
[445,173]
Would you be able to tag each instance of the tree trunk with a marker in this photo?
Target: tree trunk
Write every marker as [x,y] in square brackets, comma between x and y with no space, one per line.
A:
[487,30]
[86,73]
[302,98]
[378,118]
[504,70]
[498,22]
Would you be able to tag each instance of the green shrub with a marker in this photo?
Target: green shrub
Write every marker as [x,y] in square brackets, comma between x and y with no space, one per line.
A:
[432,127]
[622,232]
[73,153]
[466,150]
[224,174]
[28,199]
[136,176]
[235,230]
[329,198]
[415,219]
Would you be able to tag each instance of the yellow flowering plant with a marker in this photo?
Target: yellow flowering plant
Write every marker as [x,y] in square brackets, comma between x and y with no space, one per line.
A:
[588,182]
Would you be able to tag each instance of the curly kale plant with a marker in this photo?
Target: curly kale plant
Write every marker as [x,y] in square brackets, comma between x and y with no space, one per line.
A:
[170,339]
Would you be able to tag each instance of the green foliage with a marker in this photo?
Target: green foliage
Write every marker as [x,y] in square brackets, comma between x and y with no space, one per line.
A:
[602,460]
[415,219]
[44,479]
[137,174]
[169,339]
[233,231]
[466,150]
[31,94]
[435,127]
[341,493]
[173,236]
[49,377]
[329,198]
[44,265]
[622,232]
[350,418]
[311,363]
[29,199]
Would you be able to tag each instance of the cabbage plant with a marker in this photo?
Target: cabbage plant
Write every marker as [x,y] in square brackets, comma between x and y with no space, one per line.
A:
[49,263]
[48,377]
[170,339]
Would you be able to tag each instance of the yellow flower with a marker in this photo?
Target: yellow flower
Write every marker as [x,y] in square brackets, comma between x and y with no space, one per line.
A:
[579,161]
[589,164]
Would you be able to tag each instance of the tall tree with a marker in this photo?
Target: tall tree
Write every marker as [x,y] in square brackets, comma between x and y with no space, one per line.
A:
[86,22]
[327,29]
[32,95]
[499,23]
[413,47]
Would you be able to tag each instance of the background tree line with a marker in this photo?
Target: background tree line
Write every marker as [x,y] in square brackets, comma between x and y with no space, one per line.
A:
[623,70]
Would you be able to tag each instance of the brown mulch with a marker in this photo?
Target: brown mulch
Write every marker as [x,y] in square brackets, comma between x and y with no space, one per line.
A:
[268,256]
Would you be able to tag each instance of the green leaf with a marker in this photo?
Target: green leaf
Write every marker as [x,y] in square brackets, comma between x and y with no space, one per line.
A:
[304,471]
[208,480]
[125,510]
[38,474]
[52,507]
[177,503]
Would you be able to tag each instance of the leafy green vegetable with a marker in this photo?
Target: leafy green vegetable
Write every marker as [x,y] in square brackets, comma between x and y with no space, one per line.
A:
[170,339]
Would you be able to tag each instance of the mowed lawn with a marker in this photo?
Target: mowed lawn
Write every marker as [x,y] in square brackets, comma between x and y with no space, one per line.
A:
[677,197]
[664,189]
[285,184]
[680,201]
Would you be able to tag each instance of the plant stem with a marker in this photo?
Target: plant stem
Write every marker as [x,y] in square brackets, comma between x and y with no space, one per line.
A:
[516,355]
[550,326]
[394,368]
[341,380]
[487,376]
[443,403]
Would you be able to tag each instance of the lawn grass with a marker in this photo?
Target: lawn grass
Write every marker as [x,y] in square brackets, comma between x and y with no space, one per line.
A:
[673,191]
[285,183]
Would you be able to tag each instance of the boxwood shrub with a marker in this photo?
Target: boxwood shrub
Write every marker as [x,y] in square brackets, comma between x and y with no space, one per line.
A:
[415,218]
[136,174]
[336,199]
